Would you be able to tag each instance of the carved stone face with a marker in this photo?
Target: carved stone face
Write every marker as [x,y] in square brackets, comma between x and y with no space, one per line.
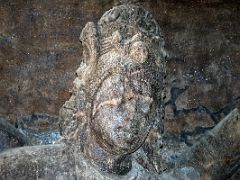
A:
[123,78]
[116,103]
[123,107]
[121,115]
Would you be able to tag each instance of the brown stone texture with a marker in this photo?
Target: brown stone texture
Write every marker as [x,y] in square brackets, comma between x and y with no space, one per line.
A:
[10,137]
[40,52]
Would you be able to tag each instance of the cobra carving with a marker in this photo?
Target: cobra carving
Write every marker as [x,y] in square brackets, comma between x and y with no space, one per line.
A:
[117,99]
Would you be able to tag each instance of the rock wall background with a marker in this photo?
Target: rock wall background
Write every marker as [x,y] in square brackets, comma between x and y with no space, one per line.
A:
[40,52]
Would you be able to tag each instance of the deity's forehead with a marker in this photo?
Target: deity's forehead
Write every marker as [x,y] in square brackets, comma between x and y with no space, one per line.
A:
[129,20]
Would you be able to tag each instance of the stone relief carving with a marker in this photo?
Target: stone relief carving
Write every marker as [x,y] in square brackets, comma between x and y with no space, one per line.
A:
[112,124]
[119,88]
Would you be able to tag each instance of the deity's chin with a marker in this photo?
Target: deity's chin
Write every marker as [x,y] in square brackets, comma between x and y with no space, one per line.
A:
[126,147]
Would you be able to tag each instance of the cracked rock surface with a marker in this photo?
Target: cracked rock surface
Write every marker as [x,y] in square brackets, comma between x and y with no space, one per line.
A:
[39,53]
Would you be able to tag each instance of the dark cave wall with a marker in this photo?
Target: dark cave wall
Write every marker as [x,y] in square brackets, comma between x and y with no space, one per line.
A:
[203,67]
[40,51]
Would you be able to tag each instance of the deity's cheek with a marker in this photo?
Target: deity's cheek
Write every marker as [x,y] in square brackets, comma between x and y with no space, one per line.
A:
[106,123]
[143,104]
[105,119]
[138,52]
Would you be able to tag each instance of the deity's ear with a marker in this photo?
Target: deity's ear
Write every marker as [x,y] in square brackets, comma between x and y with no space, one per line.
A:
[90,41]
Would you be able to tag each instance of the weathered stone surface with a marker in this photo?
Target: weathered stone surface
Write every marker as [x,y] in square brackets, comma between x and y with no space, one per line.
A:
[39,51]
[203,68]
[203,71]
[11,137]
[56,162]
[39,128]
[116,103]
[188,125]
[186,173]
[204,160]
[217,154]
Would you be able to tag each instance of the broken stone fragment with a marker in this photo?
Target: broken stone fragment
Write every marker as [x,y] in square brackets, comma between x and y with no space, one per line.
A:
[56,162]
[10,136]
[217,154]
[39,128]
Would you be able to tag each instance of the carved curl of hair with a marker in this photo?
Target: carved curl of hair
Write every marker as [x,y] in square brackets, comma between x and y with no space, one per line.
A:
[127,19]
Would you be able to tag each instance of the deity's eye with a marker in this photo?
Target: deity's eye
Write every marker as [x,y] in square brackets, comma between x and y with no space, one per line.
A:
[138,52]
